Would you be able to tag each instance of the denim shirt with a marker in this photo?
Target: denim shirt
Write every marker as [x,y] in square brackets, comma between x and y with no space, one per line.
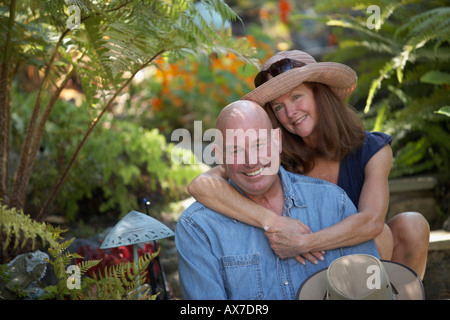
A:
[222,258]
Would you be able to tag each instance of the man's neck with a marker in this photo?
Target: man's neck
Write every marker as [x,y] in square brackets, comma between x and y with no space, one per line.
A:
[272,199]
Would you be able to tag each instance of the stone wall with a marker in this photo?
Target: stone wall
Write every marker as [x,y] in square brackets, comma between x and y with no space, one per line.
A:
[437,276]
[414,194]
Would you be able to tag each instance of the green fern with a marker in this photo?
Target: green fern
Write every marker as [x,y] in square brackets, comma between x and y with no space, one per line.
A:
[19,233]
[431,25]
[403,69]
[125,281]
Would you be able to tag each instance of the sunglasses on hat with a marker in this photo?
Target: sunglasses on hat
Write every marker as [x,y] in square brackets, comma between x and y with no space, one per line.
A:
[277,68]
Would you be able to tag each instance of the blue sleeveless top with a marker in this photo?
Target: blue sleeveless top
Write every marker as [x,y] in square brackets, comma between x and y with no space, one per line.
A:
[351,170]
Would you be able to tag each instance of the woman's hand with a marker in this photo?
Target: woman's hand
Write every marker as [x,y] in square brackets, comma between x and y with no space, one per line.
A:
[288,238]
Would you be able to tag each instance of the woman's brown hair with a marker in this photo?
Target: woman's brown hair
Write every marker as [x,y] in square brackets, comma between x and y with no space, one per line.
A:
[339,128]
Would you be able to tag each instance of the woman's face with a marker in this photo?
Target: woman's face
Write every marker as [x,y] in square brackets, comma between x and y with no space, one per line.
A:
[297,111]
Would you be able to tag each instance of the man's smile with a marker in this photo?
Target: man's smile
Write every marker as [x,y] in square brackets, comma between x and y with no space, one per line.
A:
[254,173]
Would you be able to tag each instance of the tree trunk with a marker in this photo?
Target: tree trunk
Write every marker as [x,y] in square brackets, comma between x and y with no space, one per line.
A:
[26,161]
[5,107]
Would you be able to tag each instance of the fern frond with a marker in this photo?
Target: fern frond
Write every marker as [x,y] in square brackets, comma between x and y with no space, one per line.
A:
[87,264]
[429,23]
[353,24]
[123,281]
[223,9]
[14,224]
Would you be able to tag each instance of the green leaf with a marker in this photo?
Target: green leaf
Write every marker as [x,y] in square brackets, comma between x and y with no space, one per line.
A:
[444,110]
[436,77]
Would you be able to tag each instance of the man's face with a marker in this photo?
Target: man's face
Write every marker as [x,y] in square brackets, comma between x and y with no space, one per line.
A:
[252,156]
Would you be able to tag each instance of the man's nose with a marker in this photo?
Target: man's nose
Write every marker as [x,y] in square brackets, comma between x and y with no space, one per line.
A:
[251,157]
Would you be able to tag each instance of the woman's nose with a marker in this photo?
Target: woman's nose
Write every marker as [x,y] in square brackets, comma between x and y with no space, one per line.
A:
[291,109]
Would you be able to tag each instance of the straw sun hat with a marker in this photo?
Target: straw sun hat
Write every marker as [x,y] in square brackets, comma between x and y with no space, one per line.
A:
[340,78]
[362,277]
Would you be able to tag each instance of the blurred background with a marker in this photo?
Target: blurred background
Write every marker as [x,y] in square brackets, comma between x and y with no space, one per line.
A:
[402,62]
[399,49]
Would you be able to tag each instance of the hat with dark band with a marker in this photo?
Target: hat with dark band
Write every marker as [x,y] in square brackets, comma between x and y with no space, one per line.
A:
[295,67]
[362,277]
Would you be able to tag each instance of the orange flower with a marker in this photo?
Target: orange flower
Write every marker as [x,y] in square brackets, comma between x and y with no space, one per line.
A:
[252,40]
[264,14]
[285,9]
[202,87]
[189,83]
[157,103]
[177,101]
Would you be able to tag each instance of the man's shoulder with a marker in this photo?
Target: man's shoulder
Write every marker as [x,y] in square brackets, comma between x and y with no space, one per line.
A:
[194,209]
[197,212]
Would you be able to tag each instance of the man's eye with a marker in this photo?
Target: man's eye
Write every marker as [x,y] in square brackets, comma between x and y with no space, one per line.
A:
[261,145]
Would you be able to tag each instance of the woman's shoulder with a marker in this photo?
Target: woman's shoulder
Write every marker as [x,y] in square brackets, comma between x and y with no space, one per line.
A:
[373,142]
[351,172]
[377,138]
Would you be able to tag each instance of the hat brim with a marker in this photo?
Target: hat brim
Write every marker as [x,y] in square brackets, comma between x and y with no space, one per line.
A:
[405,281]
[339,77]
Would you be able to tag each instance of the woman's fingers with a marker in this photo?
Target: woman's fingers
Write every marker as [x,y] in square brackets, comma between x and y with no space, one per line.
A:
[313,257]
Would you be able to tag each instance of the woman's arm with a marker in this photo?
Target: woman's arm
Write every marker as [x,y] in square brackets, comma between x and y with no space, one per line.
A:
[355,229]
[213,190]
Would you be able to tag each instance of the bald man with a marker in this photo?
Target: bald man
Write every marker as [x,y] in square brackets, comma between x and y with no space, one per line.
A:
[221,258]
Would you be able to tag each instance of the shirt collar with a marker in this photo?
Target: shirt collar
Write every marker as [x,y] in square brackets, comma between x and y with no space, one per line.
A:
[289,191]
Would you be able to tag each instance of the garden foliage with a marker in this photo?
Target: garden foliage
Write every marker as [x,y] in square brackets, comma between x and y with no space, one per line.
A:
[123,281]
[105,48]
[111,277]
[19,233]
[120,161]
[404,75]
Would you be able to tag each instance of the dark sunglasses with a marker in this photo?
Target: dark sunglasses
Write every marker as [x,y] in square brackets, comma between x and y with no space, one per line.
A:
[276,68]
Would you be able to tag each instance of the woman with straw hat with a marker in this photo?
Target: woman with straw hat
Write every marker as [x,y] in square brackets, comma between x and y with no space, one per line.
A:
[322,138]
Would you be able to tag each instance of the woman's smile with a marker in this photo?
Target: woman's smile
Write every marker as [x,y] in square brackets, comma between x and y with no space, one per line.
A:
[300,120]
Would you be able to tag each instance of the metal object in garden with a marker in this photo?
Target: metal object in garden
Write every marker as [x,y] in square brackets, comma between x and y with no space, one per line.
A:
[153,279]
[135,228]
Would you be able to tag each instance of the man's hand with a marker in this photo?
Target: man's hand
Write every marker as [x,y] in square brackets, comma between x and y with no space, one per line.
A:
[289,239]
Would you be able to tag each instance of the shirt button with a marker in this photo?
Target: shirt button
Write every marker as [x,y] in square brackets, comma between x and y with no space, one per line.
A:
[286,282]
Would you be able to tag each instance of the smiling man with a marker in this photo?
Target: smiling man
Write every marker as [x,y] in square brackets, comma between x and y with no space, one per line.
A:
[221,258]
[252,149]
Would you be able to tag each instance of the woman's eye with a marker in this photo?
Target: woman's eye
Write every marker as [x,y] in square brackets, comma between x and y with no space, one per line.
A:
[278,107]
